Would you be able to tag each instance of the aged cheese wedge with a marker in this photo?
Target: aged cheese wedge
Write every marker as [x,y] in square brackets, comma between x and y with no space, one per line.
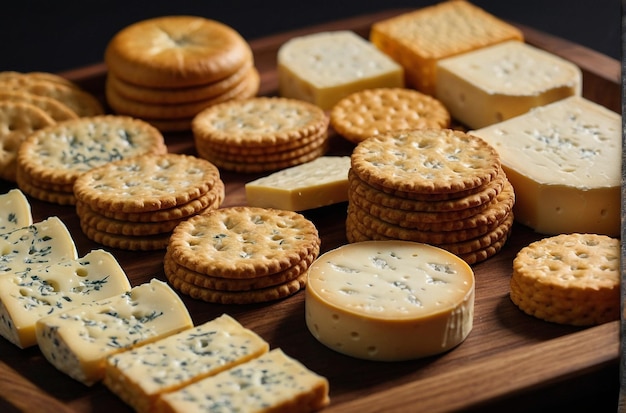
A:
[273,382]
[318,183]
[498,82]
[39,291]
[14,211]
[139,376]
[41,243]
[564,161]
[78,341]
[324,67]
[389,300]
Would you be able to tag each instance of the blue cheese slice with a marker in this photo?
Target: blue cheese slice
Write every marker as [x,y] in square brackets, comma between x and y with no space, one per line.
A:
[41,243]
[272,382]
[78,341]
[314,184]
[389,300]
[36,292]
[15,211]
[139,376]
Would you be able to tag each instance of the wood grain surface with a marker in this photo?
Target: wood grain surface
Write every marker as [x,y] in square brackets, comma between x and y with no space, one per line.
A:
[509,359]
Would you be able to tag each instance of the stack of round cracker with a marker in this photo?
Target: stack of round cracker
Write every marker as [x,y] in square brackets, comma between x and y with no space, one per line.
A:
[51,159]
[135,203]
[167,69]
[31,101]
[241,255]
[436,186]
[261,134]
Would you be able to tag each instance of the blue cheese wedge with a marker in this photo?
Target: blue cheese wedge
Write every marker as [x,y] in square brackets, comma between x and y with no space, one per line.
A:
[78,341]
[41,243]
[36,292]
[139,376]
[15,211]
[272,382]
[314,184]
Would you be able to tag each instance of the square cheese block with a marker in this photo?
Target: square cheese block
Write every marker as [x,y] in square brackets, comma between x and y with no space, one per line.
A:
[78,341]
[139,376]
[14,211]
[564,161]
[324,67]
[499,82]
[36,292]
[419,39]
[273,382]
[321,182]
[41,243]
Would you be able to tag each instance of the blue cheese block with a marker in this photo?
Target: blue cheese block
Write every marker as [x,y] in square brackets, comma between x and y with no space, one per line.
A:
[273,382]
[15,211]
[139,376]
[36,292]
[78,341]
[42,243]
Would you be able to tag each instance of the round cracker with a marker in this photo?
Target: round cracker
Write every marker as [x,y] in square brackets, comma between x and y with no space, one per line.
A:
[56,109]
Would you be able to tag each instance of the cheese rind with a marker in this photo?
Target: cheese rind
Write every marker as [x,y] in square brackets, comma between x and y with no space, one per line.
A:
[15,211]
[564,161]
[389,300]
[272,382]
[318,183]
[40,291]
[496,83]
[324,67]
[78,341]
[139,376]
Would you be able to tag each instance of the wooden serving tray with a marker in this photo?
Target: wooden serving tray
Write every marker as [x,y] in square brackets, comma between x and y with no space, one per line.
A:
[509,358]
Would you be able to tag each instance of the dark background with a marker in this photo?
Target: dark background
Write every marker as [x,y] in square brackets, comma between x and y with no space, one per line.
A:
[61,35]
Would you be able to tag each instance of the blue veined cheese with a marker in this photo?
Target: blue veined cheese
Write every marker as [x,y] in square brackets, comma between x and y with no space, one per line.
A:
[41,243]
[139,376]
[15,211]
[78,341]
[495,83]
[36,292]
[324,67]
[272,382]
[564,162]
[389,300]
[314,184]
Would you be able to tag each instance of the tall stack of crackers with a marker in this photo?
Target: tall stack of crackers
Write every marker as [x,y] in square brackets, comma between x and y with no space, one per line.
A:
[436,186]
[167,69]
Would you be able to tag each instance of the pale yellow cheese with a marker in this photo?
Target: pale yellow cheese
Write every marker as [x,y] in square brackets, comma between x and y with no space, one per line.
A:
[389,300]
[318,183]
[324,67]
[498,82]
[564,161]
[14,211]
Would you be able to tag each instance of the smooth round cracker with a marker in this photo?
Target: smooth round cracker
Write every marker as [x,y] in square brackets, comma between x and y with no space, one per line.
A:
[146,183]
[243,242]
[259,121]
[569,279]
[176,51]
[426,161]
[57,110]
[371,112]
[126,242]
[18,120]
[62,152]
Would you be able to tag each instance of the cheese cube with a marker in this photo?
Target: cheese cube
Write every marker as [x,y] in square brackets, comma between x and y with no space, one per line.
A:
[499,82]
[42,243]
[389,300]
[39,291]
[78,341]
[564,161]
[139,376]
[314,184]
[15,211]
[273,382]
[324,67]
